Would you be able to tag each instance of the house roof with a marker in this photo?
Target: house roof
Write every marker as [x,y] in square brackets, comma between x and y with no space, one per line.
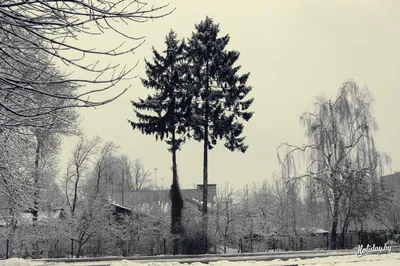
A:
[116,205]
[391,181]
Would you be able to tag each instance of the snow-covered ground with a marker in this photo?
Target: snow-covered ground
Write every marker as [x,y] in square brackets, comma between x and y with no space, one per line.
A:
[369,260]
[349,260]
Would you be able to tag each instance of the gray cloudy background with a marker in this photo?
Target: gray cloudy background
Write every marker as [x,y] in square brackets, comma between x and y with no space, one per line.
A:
[295,50]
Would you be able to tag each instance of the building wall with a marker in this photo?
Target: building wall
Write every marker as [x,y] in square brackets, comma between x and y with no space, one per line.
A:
[391,182]
[129,198]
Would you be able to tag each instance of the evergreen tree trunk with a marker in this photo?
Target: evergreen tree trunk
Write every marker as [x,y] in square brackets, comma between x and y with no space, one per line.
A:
[177,202]
[205,163]
[205,186]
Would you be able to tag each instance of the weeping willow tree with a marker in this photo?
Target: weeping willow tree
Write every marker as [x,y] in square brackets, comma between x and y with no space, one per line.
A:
[342,165]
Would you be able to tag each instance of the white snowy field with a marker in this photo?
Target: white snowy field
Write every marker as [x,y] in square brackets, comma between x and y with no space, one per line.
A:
[348,260]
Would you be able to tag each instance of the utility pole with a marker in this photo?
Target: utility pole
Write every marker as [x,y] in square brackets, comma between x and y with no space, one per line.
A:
[155,178]
[123,180]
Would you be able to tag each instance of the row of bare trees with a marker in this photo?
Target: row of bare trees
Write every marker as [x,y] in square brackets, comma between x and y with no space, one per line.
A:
[102,169]
[261,217]
[41,51]
[94,172]
[335,187]
[253,215]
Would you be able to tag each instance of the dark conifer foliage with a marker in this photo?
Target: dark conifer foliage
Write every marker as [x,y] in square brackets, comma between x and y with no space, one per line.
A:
[163,113]
[177,228]
[198,94]
[219,93]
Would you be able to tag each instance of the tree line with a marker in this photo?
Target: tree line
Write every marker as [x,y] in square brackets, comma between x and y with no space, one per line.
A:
[196,93]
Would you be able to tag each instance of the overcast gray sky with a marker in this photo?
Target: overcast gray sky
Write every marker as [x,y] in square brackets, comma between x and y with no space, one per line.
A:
[295,50]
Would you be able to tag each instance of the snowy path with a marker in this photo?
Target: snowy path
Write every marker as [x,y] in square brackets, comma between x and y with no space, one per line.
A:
[205,258]
[347,260]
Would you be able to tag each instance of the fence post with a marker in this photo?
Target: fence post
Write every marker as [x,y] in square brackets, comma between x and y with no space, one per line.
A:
[72,248]
[351,241]
[327,241]
[251,242]
[7,247]
[301,243]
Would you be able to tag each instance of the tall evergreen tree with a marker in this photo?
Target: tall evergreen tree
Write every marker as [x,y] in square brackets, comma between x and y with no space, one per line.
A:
[163,112]
[220,94]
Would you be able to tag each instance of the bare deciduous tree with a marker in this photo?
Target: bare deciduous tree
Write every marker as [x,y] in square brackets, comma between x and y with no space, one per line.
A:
[39,37]
[340,135]
[31,105]
[77,167]
[277,208]
[224,217]
[126,172]
[140,175]
[388,213]
[104,162]
[16,186]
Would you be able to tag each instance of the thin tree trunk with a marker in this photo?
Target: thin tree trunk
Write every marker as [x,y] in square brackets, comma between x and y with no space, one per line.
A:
[75,190]
[343,241]
[98,183]
[205,165]
[98,180]
[78,253]
[36,184]
[35,210]
[82,241]
[345,226]
[205,186]
[174,218]
[335,221]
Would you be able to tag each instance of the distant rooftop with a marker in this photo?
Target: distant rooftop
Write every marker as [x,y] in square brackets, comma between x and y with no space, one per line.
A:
[128,198]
